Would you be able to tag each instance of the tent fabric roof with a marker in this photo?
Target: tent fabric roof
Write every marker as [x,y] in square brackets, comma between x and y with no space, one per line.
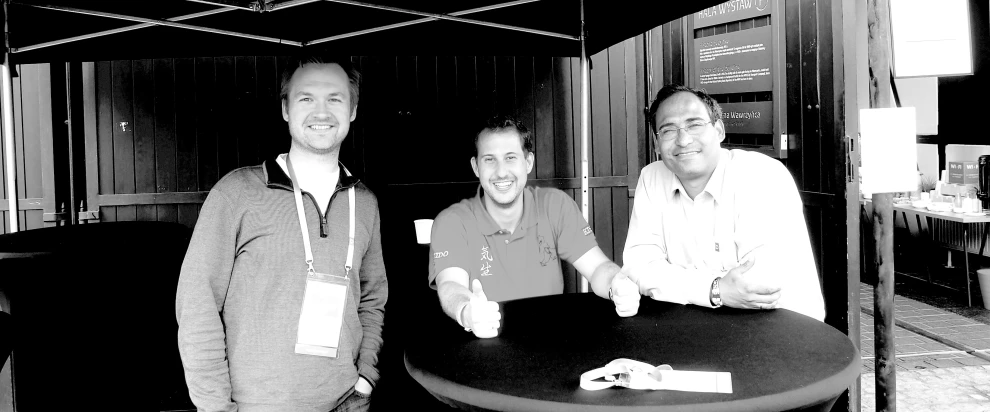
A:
[288,26]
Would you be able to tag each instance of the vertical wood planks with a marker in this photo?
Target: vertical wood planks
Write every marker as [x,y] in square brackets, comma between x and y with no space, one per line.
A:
[505,88]
[620,221]
[636,103]
[186,146]
[563,120]
[487,97]
[617,111]
[792,86]
[123,134]
[225,116]
[165,140]
[673,52]
[267,106]
[144,135]
[187,117]
[104,127]
[811,134]
[543,128]
[206,123]
[90,104]
[29,169]
[524,105]
[575,132]
[244,114]
[600,148]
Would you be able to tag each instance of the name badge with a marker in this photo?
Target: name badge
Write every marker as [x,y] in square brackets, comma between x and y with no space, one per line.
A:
[321,319]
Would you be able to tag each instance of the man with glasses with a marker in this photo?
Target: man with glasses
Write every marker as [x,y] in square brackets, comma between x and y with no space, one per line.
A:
[715,227]
[507,241]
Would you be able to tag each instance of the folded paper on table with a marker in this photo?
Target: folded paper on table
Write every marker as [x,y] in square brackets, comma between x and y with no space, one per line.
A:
[628,373]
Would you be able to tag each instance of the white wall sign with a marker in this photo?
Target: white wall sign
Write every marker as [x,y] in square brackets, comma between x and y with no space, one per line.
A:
[931,38]
[889,150]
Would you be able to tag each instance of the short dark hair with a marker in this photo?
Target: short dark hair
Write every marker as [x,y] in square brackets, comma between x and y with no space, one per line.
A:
[298,62]
[500,122]
[714,110]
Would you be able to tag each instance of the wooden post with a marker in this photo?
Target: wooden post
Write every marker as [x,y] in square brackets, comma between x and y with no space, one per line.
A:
[883,222]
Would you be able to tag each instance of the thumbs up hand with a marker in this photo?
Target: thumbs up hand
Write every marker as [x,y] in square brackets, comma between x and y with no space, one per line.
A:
[625,295]
[481,316]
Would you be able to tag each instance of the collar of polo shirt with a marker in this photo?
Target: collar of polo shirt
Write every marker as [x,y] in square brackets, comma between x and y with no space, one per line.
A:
[487,225]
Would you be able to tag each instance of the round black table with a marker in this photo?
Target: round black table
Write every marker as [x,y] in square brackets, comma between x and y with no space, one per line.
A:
[779,360]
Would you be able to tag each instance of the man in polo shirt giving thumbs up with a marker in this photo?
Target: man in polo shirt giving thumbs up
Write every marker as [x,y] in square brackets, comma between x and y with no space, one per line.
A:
[508,240]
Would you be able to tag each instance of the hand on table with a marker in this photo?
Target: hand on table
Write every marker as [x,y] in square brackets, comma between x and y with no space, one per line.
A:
[625,295]
[740,289]
[481,315]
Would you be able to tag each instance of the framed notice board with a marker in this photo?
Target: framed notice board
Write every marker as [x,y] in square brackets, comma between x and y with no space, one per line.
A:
[734,51]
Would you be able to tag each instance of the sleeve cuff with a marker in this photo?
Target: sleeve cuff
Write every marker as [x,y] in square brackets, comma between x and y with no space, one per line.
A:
[369,373]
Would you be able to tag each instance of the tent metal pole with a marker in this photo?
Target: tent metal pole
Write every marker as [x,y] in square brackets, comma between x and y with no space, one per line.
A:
[290,3]
[6,89]
[457,19]
[585,126]
[417,21]
[159,23]
[213,3]
[120,30]
[73,212]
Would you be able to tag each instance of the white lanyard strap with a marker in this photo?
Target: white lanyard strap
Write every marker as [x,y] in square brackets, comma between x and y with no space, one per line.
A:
[626,373]
[297,193]
[350,230]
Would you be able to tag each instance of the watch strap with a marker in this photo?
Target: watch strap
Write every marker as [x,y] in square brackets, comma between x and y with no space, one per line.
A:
[716,295]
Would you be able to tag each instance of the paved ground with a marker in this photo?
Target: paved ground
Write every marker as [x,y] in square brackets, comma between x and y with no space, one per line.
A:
[943,359]
[962,389]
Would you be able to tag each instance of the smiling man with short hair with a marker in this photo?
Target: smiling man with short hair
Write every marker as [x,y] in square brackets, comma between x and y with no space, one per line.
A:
[715,227]
[507,242]
[281,296]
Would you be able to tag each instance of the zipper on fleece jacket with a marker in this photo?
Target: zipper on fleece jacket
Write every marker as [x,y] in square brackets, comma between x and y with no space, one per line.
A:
[324,222]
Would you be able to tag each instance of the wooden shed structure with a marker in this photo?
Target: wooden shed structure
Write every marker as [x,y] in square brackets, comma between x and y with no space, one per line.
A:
[141,124]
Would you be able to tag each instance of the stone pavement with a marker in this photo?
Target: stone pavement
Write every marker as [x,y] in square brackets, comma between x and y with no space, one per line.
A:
[962,389]
[943,363]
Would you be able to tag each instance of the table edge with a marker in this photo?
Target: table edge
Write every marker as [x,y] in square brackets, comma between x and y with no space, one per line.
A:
[503,402]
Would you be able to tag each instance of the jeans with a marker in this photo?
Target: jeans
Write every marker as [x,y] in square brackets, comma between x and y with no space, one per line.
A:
[354,401]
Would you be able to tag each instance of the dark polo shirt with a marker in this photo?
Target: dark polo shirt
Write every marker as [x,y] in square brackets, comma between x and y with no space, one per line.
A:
[521,264]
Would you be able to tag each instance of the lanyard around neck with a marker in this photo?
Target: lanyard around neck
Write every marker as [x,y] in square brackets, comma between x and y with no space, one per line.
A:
[297,192]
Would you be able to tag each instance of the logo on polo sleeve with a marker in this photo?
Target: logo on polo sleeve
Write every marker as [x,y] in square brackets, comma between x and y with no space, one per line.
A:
[587,230]
[438,255]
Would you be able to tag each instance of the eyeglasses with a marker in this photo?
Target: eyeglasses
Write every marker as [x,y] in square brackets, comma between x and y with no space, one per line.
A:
[670,132]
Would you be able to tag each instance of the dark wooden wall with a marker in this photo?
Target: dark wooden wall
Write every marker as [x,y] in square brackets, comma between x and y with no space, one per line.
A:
[157,134]
[33,134]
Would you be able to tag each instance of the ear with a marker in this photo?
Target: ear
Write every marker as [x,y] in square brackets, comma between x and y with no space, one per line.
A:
[530,161]
[656,144]
[285,110]
[354,113]
[720,127]
[474,166]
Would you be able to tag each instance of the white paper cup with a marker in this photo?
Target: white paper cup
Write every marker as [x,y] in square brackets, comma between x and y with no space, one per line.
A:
[424,228]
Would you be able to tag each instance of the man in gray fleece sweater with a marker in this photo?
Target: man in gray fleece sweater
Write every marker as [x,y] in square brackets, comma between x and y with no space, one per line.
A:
[241,289]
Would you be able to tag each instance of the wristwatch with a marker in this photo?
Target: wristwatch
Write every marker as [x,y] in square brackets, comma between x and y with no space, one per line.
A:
[716,296]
